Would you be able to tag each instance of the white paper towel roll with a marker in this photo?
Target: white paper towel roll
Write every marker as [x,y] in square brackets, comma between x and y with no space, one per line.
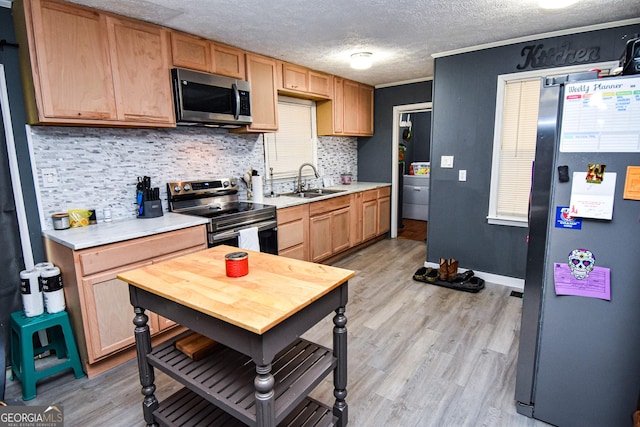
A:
[256,188]
[51,282]
[32,302]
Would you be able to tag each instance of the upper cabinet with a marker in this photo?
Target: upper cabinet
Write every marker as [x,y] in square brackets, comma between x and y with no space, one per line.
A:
[85,67]
[140,60]
[299,81]
[350,112]
[196,53]
[261,73]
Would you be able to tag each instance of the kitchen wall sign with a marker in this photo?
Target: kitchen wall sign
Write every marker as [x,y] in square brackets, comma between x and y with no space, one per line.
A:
[536,56]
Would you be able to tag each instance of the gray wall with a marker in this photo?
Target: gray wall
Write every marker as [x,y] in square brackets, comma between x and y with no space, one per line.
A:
[374,153]
[463,120]
[419,146]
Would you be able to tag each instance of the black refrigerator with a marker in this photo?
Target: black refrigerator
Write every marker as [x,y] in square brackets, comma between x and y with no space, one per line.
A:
[579,351]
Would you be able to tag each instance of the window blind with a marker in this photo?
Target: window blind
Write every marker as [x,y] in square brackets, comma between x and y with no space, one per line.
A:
[294,142]
[518,148]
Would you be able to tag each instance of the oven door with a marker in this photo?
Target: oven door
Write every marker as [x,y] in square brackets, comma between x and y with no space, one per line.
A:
[267,236]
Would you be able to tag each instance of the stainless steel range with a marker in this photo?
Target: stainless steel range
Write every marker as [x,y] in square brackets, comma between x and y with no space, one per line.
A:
[217,199]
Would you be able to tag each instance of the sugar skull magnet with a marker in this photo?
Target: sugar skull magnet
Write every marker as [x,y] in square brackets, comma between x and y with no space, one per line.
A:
[581,262]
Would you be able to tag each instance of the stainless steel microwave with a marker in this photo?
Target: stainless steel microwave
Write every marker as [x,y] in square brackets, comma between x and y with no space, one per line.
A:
[209,99]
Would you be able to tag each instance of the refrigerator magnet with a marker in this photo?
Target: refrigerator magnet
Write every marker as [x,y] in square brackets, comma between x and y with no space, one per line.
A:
[595,173]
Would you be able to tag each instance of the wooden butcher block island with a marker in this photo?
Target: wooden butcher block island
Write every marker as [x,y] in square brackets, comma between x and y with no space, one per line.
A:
[259,371]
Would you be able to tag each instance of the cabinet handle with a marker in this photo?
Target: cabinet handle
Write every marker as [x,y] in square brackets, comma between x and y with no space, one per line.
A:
[416,188]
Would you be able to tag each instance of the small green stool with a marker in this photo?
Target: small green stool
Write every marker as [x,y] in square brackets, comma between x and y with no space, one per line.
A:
[23,352]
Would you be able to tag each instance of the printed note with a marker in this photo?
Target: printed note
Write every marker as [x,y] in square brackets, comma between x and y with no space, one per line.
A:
[596,285]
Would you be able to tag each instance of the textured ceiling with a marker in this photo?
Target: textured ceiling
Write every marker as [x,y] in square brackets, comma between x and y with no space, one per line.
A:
[402,34]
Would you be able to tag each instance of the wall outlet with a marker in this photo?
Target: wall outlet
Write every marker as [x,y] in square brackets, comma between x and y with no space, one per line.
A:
[49,177]
[462,175]
[446,162]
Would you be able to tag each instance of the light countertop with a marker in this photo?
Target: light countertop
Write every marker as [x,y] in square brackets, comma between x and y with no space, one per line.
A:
[355,187]
[116,231]
[105,233]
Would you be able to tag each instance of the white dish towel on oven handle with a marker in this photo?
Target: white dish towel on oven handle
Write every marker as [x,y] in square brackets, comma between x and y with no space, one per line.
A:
[248,239]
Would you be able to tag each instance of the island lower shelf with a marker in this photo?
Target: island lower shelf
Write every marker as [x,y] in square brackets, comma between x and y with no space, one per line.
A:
[186,408]
[225,378]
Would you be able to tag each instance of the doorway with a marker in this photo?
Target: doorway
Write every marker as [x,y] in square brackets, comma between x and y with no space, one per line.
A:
[400,112]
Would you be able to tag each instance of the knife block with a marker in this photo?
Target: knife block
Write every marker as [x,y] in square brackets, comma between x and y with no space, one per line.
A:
[151,209]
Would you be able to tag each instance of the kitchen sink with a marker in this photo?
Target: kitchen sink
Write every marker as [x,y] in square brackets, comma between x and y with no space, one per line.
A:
[316,192]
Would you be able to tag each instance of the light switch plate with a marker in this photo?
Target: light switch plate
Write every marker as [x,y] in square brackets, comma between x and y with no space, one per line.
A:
[49,177]
[446,162]
[462,175]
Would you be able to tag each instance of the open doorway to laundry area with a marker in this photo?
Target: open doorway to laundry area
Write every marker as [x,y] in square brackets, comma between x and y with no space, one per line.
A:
[411,143]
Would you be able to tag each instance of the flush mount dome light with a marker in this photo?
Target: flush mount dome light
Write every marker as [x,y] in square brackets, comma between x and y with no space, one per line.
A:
[556,4]
[361,60]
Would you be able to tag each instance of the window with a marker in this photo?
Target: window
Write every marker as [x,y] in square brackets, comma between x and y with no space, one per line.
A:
[514,143]
[295,142]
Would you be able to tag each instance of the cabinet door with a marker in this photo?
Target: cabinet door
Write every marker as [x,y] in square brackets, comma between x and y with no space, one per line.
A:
[295,78]
[261,73]
[384,215]
[355,227]
[109,314]
[340,238]
[190,52]
[70,56]
[228,61]
[320,237]
[365,110]
[320,84]
[369,219]
[351,107]
[140,61]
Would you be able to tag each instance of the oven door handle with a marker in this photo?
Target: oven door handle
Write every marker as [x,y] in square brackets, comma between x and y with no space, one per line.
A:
[266,225]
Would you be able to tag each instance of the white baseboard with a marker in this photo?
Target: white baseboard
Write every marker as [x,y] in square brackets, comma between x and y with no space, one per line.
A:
[510,282]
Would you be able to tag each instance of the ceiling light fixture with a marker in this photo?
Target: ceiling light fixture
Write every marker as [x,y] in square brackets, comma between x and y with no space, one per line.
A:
[556,4]
[361,60]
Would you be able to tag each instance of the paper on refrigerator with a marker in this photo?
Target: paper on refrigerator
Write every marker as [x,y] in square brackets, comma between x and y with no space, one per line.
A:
[589,200]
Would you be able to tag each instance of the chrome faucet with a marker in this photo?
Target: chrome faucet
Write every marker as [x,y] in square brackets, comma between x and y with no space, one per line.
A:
[300,186]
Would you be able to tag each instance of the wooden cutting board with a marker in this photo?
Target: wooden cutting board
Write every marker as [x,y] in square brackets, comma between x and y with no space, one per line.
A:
[195,346]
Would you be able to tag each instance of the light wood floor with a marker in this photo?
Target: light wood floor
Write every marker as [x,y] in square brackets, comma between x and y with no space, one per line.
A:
[413,230]
[419,355]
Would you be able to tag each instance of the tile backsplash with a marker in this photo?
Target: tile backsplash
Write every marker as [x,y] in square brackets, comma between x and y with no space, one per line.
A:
[97,168]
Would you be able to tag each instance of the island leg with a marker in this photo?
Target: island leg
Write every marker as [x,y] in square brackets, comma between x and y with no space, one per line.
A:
[340,408]
[147,377]
[265,402]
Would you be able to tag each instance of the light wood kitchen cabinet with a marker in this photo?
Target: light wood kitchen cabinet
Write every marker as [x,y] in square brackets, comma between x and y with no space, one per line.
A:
[86,67]
[199,54]
[384,209]
[68,62]
[349,112]
[228,61]
[302,82]
[329,222]
[98,302]
[369,214]
[293,232]
[191,52]
[261,73]
[356,218]
[140,56]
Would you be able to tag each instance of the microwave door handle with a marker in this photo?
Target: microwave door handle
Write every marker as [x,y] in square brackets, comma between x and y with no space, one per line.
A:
[236,94]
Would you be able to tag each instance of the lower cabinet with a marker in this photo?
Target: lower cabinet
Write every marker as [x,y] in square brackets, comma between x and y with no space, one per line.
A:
[329,222]
[319,230]
[293,232]
[98,302]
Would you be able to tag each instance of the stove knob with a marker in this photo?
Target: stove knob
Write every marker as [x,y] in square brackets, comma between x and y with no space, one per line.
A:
[176,189]
[187,187]
[225,184]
